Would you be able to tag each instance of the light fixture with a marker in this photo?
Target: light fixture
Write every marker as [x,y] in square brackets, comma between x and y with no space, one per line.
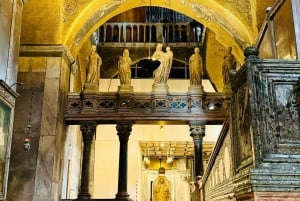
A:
[28,128]
[146,161]
[170,161]
[211,106]
[170,157]
[26,144]
[147,157]
[161,128]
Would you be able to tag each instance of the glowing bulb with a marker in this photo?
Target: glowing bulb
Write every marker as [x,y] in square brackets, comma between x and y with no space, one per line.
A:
[161,128]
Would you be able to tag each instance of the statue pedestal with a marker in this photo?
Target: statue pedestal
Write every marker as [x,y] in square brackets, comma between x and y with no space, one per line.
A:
[160,89]
[125,89]
[90,88]
[196,94]
[196,89]
[125,98]
[160,99]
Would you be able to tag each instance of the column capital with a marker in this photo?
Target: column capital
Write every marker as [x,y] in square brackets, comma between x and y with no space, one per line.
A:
[124,129]
[88,131]
[197,131]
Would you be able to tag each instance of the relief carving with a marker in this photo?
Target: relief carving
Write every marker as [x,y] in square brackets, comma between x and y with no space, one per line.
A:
[242,126]
[207,14]
[243,7]
[244,134]
[286,120]
[71,7]
[227,164]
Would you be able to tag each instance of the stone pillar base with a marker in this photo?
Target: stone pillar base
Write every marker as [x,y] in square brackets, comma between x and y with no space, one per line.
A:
[84,196]
[90,88]
[127,89]
[160,88]
[195,89]
[196,94]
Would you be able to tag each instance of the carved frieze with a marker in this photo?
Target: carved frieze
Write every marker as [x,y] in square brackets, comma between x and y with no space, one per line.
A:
[71,7]
[113,106]
[219,175]
[7,94]
[205,13]
[280,110]
[274,123]
[241,126]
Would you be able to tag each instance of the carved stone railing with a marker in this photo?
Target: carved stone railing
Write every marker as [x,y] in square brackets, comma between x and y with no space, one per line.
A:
[109,107]
[274,87]
[119,33]
[258,151]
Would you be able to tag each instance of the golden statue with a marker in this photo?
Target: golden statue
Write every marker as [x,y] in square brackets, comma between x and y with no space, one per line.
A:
[229,64]
[195,63]
[93,70]
[161,187]
[161,72]
[124,68]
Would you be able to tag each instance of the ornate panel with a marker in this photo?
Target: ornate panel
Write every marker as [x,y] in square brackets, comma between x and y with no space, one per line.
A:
[275,106]
[241,126]
[113,106]
[179,103]
[219,175]
[7,104]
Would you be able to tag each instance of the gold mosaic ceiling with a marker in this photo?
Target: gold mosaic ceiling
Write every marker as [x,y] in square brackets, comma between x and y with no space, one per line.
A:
[71,22]
[177,149]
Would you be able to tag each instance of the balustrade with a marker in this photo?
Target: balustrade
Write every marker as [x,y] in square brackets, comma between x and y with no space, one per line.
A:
[118,32]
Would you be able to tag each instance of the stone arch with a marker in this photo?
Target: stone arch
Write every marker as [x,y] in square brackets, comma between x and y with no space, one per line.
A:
[220,20]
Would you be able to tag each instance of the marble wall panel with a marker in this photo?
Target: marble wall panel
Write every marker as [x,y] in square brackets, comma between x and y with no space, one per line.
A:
[6,16]
[276,196]
[10,30]
[21,179]
[219,177]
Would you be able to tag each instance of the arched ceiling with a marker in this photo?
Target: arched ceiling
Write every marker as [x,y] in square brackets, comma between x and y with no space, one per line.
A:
[231,26]
[71,22]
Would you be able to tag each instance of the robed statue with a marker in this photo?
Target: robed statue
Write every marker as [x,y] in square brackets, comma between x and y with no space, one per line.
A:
[161,187]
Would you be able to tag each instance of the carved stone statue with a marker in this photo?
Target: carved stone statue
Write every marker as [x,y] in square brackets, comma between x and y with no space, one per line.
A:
[195,63]
[229,64]
[160,74]
[124,68]
[161,187]
[93,70]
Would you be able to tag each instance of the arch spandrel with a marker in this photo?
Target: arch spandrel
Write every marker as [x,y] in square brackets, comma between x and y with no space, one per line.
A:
[228,27]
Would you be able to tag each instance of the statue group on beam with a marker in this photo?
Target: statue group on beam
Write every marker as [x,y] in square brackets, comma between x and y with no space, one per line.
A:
[160,74]
[93,70]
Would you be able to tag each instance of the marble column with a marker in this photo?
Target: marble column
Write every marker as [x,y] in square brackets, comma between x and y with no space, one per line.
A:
[124,130]
[88,131]
[197,132]
[296,20]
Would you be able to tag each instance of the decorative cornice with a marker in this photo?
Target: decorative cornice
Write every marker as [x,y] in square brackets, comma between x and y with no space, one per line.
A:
[7,94]
[104,108]
[50,50]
